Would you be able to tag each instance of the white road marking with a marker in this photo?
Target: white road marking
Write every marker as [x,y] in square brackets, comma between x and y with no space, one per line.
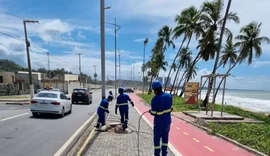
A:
[195,140]
[178,128]
[185,133]
[12,108]
[61,150]
[14,117]
[209,148]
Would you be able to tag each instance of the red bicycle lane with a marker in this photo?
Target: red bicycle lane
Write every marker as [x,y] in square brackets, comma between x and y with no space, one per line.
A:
[192,141]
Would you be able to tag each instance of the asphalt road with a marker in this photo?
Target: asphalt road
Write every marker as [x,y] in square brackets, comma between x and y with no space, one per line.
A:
[23,135]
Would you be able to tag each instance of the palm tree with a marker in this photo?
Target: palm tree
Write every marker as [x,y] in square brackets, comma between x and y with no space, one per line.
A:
[157,61]
[184,60]
[229,54]
[188,23]
[249,43]
[164,35]
[191,71]
[215,24]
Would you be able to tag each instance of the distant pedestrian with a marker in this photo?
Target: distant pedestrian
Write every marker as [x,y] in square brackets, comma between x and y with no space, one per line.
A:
[102,109]
[110,92]
[161,107]
[122,103]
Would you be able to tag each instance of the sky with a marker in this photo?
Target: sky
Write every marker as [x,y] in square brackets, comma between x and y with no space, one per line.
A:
[69,27]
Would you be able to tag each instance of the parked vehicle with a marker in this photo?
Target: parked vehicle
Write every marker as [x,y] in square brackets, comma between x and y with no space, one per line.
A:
[81,95]
[128,90]
[51,102]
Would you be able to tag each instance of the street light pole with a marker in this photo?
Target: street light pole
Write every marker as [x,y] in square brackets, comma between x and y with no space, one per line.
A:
[27,44]
[145,42]
[116,28]
[49,68]
[80,69]
[119,69]
[102,45]
[95,75]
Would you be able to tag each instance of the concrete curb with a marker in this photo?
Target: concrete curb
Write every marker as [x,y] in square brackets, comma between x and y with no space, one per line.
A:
[14,100]
[22,103]
[63,151]
[223,137]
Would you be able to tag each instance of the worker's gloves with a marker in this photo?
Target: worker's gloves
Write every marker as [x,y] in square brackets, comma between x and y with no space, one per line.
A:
[149,111]
[116,111]
[132,105]
[171,109]
[108,111]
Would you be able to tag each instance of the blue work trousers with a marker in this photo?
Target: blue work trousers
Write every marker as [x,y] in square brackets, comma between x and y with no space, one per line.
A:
[161,131]
[101,117]
[124,115]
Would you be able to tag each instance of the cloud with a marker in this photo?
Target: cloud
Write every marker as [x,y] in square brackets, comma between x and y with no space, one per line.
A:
[80,35]
[52,30]
[257,64]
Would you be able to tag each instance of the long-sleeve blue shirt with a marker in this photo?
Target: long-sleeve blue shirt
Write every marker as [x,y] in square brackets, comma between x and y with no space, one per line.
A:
[122,101]
[104,106]
[161,107]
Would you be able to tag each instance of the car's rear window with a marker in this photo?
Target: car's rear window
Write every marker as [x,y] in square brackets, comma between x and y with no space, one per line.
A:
[79,91]
[47,95]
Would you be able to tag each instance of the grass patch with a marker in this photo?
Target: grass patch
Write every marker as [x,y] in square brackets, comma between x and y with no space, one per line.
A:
[252,135]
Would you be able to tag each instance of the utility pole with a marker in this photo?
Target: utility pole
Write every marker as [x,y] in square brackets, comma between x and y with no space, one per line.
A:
[102,46]
[95,75]
[144,43]
[119,53]
[49,68]
[27,44]
[80,69]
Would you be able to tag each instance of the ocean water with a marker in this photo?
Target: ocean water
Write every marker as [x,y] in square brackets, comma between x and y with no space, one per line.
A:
[258,101]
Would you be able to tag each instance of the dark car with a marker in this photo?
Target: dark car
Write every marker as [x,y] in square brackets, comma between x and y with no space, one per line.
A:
[128,90]
[81,95]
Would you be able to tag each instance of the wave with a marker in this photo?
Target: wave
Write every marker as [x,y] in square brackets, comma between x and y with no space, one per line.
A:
[252,104]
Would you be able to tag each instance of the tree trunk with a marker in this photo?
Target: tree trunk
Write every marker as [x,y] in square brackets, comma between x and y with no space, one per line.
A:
[178,70]
[150,89]
[205,102]
[178,77]
[180,83]
[215,95]
[184,39]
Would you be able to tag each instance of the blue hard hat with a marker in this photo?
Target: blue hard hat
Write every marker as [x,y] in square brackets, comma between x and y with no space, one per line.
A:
[156,84]
[110,97]
[120,89]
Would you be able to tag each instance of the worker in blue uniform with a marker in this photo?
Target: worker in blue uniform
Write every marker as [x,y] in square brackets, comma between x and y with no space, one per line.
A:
[122,103]
[110,92]
[102,109]
[161,107]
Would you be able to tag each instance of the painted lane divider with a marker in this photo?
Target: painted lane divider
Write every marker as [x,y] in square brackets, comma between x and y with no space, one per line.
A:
[209,148]
[14,117]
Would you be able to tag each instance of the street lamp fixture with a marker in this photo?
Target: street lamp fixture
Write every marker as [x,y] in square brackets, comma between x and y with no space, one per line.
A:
[145,42]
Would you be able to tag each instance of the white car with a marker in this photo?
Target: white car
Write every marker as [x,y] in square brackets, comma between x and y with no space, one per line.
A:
[52,102]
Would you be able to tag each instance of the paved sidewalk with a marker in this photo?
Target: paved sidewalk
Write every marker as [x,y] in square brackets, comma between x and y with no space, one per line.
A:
[113,143]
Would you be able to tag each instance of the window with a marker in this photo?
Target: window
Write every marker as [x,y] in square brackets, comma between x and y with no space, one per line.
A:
[1,79]
[47,95]
[63,96]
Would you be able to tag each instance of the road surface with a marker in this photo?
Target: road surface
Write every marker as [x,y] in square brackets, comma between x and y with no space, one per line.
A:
[23,135]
